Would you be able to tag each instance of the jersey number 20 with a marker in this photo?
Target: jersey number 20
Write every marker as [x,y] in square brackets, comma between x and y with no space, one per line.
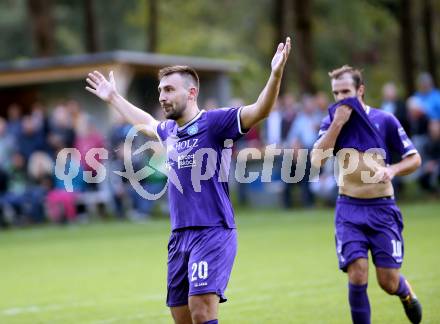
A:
[202,272]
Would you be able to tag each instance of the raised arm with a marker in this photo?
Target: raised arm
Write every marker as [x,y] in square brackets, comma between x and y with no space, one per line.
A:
[252,114]
[328,140]
[106,90]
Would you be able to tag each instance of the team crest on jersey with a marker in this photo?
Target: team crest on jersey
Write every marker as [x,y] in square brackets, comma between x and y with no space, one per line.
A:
[193,129]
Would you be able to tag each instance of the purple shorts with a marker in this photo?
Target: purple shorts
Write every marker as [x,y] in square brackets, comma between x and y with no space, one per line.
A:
[368,224]
[199,262]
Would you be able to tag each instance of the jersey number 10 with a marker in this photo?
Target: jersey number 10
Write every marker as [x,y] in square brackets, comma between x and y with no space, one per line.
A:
[397,248]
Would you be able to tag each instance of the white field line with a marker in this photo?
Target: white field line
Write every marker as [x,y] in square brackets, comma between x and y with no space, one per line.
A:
[14,311]
[251,296]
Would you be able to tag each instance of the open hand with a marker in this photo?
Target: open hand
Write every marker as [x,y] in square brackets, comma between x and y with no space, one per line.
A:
[100,86]
[280,57]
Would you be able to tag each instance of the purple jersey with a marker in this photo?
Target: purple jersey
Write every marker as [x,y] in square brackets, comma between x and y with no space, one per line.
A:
[198,153]
[389,128]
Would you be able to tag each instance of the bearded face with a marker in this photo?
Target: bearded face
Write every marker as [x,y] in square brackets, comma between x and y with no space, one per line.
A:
[174,95]
[174,108]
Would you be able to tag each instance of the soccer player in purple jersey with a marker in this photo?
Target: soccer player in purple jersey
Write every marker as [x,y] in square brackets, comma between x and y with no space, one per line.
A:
[203,241]
[366,216]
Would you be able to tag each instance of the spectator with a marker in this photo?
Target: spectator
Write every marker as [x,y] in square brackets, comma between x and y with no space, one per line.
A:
[60,203]
[326,187]
[14,120]
[429,96]
[38,115]
[88,137]
[40,169]
[61,132]
[430,175]
[252,138]
[302,135]
[274,125]
[7,146]
[118,131]
[418,122]
[392,104]
[4,222]
[76,115]
[123,192]
[290,108]
[31,138]
[13,198]
[322,102]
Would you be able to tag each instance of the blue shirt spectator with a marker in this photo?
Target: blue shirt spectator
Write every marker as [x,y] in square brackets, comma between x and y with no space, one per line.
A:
[429,95]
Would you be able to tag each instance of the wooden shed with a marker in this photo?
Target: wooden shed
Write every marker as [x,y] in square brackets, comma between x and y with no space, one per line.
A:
[58,78]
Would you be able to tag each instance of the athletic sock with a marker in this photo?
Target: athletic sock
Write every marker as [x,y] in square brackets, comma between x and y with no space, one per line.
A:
[403,289]
[359,303]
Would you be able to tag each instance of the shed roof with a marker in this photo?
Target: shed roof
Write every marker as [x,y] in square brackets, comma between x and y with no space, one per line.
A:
[71,67]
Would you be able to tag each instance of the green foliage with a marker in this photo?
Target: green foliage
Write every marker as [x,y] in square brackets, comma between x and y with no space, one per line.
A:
[359,34]
[363,33]
[14,30]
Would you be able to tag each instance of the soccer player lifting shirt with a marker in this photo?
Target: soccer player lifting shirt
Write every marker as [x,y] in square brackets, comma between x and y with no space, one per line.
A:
[203,241]
[366,216]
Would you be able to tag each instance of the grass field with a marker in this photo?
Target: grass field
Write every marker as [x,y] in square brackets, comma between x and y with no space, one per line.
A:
[285,271]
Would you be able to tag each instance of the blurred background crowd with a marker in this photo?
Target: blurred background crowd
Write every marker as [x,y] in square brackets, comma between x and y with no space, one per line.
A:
[30,192]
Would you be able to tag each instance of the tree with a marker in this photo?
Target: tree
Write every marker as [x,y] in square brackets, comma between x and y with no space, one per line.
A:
[40,14]
[281,18]
[406,44]
[427,18]
[91,31]
[401,10]
[152,26]
[304,44]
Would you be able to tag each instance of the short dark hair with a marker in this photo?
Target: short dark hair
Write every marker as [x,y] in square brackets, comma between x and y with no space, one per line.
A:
[356,74]
[182,70]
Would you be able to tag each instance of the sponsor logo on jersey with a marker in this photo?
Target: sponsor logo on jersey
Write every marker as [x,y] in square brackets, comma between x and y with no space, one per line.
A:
[186,145]
[200,284]
[186,161]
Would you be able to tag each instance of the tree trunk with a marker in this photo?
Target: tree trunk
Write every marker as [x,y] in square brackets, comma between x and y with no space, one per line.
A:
[92,43]
[280,22]
[40,15]
[303,44]
[407,39]
[152,26]
[427,18]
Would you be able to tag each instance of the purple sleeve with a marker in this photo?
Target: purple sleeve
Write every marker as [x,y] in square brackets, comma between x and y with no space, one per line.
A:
[325,124]
[162,130]
[397,139]
[225,123]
